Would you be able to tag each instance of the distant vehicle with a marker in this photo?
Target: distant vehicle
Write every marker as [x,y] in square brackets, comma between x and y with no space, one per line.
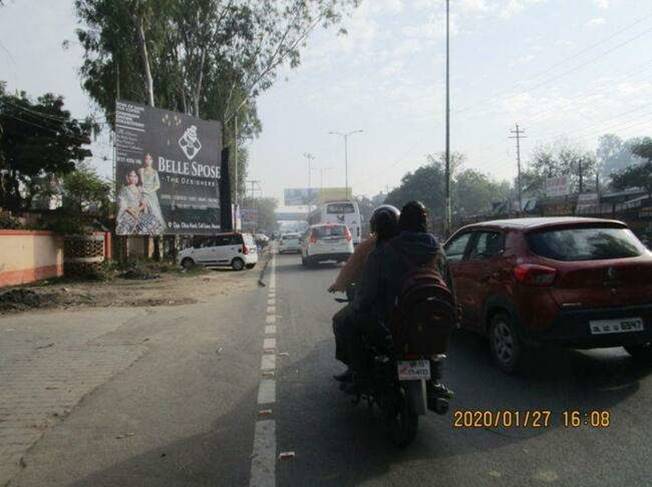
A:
[237,250]
[261,240]
[576,282]
[343,212]
[326,242]
[289,242]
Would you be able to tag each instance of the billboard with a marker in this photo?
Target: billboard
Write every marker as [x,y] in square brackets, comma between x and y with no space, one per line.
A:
[249,215]
[301,196]
[313,196]
[557,186]
[167,172]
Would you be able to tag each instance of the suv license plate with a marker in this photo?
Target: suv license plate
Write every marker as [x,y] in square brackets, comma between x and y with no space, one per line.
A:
[414,370]
[623,325]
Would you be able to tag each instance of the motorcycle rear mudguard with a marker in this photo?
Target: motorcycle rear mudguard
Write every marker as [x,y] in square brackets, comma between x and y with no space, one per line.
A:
[417,395]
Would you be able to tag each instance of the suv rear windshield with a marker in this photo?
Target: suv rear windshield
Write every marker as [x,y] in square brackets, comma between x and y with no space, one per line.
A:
[290,236]
[573,244]
[340,208]
[332,231]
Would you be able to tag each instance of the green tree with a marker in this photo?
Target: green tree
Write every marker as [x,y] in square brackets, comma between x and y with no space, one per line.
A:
[637,175]
[84,190]
[560,159]
[474,192]
[37,140]
[209,58]
[266,212]
[615,154]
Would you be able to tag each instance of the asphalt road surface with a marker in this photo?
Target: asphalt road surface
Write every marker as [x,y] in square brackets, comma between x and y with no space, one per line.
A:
[226,388]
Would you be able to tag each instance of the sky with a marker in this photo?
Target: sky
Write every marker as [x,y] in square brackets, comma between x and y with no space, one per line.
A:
[558,68]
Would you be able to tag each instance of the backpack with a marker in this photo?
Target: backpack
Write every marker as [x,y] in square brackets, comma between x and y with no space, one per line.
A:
[424,315]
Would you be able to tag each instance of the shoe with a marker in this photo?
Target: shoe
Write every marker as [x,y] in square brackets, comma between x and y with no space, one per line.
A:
[441,391]
[346,376]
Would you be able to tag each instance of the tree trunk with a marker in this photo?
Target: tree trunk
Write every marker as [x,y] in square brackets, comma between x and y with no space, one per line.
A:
[149,81]
[200,81]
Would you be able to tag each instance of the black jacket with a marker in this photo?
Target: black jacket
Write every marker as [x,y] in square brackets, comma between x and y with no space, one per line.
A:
[387,266]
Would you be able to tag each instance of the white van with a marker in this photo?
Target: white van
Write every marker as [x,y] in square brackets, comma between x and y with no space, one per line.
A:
[237,250]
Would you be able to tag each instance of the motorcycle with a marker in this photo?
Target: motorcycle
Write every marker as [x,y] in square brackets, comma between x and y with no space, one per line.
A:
[396,382]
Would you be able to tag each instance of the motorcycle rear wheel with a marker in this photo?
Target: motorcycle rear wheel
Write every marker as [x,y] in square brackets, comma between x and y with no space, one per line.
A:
[402,421]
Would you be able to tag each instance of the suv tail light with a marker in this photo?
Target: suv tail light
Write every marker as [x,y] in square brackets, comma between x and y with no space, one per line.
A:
[535,275]
[245,250]
[347,234]
[313,239]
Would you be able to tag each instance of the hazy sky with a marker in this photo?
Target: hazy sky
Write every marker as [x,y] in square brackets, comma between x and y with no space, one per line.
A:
[575,67]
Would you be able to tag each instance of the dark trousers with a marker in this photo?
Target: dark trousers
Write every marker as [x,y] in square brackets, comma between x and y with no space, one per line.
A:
[344,331]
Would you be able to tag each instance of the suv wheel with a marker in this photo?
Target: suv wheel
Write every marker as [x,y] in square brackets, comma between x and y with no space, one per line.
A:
[506,347]
[642,353]
[237,264]
[187,263]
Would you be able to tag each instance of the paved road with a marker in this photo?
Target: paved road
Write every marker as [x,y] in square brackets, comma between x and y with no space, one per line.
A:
[337,444]
[221,389]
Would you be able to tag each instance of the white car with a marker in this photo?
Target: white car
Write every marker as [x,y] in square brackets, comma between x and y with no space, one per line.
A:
[290,242]
[326,242]
[237,250]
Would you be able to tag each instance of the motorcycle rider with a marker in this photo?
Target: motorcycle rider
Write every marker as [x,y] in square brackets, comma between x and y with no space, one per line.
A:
[384,226]
[383,276]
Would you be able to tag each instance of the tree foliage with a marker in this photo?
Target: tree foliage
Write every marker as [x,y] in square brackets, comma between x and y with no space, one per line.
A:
[38,139]
[266,212]
[637,175]
[615,154]
[559,159]
[84,190]
[208,58]
[472,191]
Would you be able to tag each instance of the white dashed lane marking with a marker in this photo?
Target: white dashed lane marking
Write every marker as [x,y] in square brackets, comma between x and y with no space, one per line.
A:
[267,391]
[263,461]
[268,362]
[263,458]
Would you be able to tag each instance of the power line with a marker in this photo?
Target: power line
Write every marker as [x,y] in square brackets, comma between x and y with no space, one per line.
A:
[505,93]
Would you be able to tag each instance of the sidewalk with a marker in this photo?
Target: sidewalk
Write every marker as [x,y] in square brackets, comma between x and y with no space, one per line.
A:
[48,362]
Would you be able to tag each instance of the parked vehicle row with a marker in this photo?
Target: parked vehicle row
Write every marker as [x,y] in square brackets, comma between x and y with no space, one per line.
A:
[574,282]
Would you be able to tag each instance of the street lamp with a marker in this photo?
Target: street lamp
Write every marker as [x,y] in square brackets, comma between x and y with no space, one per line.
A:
[309,157]
[345,136]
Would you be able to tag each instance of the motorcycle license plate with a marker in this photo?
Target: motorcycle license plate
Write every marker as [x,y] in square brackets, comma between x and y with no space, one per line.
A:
[414,370]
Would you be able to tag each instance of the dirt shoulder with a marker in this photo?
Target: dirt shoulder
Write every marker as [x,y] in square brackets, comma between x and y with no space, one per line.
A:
[137,287]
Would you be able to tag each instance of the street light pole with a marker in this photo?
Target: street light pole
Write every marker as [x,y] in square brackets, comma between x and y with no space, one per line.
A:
[309,157]
[449,211]
[345,136]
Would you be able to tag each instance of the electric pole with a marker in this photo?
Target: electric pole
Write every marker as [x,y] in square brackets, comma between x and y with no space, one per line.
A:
[581,177]
[449,211]
[518,135]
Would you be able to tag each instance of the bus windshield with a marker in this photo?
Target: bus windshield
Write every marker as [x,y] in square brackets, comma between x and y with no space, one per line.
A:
[340,208]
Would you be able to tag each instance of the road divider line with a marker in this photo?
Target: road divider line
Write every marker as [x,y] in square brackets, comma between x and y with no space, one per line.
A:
[270,319]
[267,391]
[268,362]
[263,461]
[271,310]
[269,344]
[270,330]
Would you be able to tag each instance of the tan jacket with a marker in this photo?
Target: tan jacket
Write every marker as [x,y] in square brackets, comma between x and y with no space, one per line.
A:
[352,270]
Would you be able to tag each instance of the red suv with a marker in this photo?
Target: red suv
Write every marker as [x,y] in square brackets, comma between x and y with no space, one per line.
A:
[576,282]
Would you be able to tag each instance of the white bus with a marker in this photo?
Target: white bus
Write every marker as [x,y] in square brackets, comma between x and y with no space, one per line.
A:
[346,212]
